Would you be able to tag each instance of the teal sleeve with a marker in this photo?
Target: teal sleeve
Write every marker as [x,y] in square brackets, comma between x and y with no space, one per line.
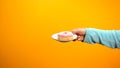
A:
[110,38]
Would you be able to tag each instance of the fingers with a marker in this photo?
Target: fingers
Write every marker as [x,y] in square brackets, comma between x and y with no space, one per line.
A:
[80,32]
[80,38]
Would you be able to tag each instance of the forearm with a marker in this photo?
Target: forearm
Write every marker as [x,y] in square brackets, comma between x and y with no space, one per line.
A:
[108,38]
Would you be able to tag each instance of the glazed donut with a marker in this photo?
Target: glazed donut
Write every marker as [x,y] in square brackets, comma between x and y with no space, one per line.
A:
[65,36]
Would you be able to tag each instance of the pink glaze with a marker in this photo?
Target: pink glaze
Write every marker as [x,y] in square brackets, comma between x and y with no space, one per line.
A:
[65,34]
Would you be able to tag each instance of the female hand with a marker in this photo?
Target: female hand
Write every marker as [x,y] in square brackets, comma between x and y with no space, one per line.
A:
[80,32]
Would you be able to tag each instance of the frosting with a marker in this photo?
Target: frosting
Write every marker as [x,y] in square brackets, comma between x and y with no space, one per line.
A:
[65,34]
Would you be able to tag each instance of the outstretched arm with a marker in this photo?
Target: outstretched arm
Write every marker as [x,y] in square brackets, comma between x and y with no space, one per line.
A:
[110,38]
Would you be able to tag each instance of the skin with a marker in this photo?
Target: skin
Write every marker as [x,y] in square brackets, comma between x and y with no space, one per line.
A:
[80,32]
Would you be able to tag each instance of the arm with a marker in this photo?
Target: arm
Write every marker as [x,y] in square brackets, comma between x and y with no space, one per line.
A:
[110,38]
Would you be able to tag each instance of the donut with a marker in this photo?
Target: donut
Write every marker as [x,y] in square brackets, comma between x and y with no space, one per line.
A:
[65,36]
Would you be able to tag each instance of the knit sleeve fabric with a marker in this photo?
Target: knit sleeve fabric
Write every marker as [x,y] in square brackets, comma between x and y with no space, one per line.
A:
[110,38]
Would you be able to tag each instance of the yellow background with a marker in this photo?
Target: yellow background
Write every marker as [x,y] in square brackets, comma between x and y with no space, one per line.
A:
[26,27]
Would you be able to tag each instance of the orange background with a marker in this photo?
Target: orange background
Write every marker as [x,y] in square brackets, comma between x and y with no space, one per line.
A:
[26,27]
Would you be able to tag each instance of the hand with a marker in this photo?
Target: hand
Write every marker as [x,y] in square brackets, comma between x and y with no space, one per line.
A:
[80,32]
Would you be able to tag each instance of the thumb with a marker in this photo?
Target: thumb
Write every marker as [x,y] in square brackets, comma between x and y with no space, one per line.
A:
[80,38]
